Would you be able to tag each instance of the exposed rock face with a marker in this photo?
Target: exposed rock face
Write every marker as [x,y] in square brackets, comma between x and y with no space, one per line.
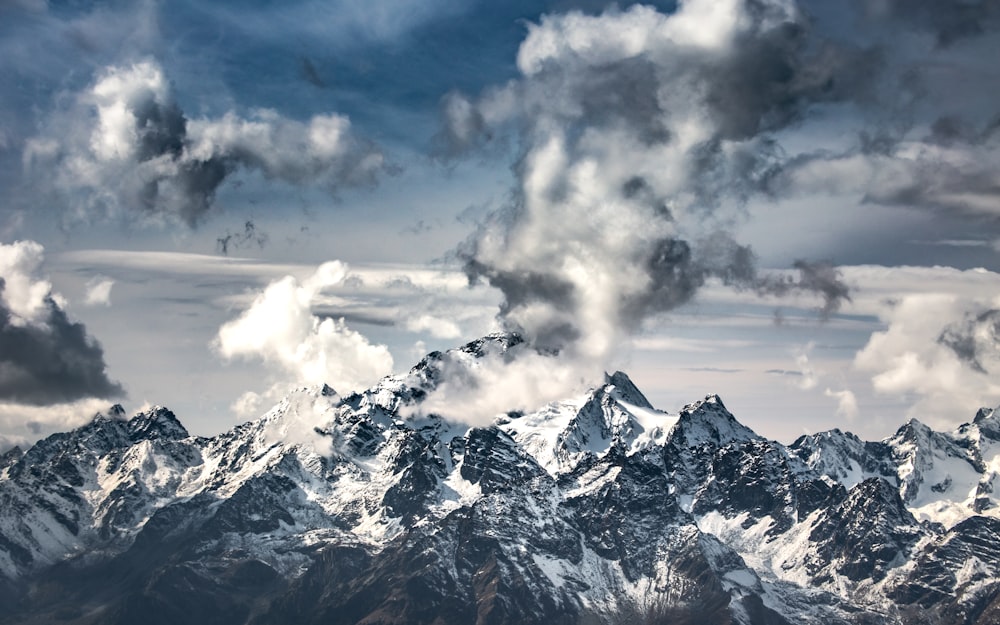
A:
[596,509]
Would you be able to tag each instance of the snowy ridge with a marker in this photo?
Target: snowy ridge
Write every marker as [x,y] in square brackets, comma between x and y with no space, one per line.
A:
[596,508]
[944,477]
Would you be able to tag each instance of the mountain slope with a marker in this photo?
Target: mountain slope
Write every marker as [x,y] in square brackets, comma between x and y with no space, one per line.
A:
[595,509]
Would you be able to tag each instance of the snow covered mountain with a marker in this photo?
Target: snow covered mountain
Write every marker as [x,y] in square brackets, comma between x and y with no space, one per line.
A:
[595,509]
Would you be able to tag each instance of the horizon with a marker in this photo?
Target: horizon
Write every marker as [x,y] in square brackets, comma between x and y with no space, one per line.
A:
[119,412]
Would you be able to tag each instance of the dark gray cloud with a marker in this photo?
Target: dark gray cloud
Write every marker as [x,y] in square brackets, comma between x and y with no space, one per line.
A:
[779,73]
[821,278]
[53,363]
[948,178]
[923,126]
[948,20]
[311,74]
[975,340]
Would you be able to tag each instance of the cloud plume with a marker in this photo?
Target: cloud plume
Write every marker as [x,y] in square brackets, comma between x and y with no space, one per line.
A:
[125,147]
[45,358]
[642,135]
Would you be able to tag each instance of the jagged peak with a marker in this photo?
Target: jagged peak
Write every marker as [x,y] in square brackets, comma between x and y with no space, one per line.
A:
[876,493]
[709,420]
[10,456]
[310,391]
[913,430]
[428,368]
[710,400]
[113,413]
[983,414]
[626,390]
[297,398]
[987,420]
[834,436]
[711,403]
[837,433]
[501,341]
[157,422]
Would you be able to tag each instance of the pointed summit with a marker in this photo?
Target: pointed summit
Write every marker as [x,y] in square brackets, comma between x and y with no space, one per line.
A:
[156,423]
[708,421]
[984,414]
[495,342]
[626,390]
[988,422]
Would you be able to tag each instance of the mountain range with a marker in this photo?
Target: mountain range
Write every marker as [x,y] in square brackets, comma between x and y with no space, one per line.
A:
[358,509]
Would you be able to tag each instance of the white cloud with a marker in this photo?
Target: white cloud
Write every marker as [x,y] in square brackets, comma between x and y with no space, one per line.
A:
[298,421]
[909,358]
[847,403]
[24,423]
[249,405]
[477,391]
[280,328]
[24,292]
[435,326]
[809,377]
[98,291]
[124,148]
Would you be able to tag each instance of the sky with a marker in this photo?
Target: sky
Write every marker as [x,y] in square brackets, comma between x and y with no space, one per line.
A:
[791,204]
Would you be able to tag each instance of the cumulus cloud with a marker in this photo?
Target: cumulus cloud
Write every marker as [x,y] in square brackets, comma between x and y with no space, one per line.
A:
[941,349]
[281,329]
[45,358]
[641,136]
[125,147]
